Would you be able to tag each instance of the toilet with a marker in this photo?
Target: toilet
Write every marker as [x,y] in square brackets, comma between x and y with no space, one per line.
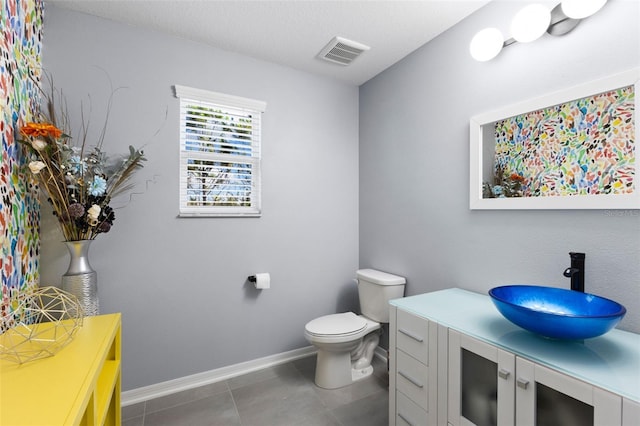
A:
[346,342]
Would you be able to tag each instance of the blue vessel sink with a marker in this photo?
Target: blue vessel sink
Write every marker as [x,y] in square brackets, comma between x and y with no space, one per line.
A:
[555,312]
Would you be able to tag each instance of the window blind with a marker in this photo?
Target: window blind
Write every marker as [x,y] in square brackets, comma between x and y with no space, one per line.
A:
[220,138]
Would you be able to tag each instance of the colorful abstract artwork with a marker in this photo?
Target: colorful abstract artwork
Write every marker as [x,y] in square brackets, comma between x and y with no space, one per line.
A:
[20,59]
[582,147]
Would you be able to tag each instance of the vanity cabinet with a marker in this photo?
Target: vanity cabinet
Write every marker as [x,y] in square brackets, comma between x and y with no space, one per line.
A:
[454,360]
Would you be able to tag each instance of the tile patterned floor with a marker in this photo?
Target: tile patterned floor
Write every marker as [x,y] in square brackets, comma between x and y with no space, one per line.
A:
[283,395]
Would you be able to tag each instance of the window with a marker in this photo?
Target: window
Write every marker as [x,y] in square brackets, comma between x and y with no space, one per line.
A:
[220,139]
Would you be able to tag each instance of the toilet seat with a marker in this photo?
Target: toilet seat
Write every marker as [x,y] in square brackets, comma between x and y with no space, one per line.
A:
[338,325]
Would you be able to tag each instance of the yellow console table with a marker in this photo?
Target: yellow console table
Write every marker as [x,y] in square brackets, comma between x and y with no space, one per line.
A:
[80,385]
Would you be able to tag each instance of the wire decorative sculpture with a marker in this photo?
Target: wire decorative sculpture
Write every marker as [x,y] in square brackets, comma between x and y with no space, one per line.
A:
[41,323]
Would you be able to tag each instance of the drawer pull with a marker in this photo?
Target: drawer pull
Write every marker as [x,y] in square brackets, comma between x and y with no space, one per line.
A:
[503,374]
[411,379]
[522,383]
[405,419]
[411,335]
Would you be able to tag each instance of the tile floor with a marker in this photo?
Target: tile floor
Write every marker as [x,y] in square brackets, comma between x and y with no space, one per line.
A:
[284,395]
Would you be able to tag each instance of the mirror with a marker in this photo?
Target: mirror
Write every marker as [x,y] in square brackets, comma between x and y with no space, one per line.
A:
[573,149]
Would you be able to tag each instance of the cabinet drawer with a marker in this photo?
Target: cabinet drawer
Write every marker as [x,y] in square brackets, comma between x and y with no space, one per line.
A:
[412,378]
[408,412]
[412,335]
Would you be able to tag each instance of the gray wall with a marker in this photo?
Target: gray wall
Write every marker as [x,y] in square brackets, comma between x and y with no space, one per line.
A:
[180,283]
[414,164]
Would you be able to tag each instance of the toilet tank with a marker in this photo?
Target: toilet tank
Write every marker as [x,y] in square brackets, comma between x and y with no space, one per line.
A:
[375,289]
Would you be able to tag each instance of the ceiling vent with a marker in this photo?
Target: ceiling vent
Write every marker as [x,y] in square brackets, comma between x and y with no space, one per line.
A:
[342,51]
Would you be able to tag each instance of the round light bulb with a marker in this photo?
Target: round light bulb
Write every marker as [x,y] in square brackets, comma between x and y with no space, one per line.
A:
[486,44]
[530,23]
[578,9]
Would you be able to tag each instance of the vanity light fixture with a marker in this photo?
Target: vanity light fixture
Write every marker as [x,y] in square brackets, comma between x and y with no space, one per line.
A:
[580,9]
[486,44]
[530,23]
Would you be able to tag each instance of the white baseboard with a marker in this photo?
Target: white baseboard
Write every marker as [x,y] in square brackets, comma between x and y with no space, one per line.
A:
[169,387]
[381,353]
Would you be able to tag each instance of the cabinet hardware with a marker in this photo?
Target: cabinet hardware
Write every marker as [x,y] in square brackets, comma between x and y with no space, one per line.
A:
[522,383]
[503,374]
[411,379]
[405,419]
[411,335]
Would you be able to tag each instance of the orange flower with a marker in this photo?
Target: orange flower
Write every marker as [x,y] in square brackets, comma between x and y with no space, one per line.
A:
[36,129]
[516,177]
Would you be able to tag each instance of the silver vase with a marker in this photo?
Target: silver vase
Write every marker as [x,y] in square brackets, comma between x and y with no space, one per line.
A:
[80,279]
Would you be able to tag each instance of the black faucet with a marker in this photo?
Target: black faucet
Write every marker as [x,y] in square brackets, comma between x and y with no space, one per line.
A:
[576,271]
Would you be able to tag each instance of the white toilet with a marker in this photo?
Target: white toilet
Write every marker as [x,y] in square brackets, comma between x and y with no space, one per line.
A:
[346,342]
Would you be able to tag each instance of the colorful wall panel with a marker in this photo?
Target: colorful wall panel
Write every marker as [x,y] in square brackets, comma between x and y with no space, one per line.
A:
[21,23]
[582,147]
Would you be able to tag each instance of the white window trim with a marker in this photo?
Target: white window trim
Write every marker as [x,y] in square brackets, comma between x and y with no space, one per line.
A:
[221,100]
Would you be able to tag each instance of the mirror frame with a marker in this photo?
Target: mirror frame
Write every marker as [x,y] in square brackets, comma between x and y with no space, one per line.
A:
[601,201]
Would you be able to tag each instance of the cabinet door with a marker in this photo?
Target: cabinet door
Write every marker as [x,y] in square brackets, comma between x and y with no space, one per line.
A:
[547,397]
[481,383]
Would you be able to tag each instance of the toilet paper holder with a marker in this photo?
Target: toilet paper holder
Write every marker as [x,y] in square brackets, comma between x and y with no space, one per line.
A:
[260,281]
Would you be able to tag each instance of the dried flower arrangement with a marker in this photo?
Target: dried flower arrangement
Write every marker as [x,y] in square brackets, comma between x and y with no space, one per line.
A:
[505,185]
[80,181]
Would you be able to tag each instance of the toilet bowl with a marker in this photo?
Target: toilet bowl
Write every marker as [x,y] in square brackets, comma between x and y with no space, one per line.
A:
[346,342]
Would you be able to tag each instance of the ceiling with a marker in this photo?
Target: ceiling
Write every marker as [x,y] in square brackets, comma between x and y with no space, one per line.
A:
[293,32]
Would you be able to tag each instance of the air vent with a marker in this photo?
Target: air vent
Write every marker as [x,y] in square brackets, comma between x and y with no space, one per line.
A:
[342,51]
